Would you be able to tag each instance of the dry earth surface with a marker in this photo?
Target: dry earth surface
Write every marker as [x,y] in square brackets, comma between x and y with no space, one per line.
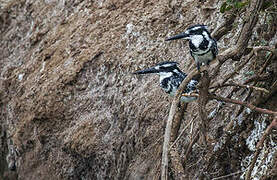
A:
[72,109]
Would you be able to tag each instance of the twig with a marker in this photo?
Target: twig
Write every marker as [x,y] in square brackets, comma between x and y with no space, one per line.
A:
[172,112]
[246,32]
[177,121]
[228,175]
[241,85]
[225,27]
[230,53]
[236,70]
[238,50]
[248,58]
[154,144]
[266,63]
[256,49]
[245,100]
[273,53]
[164,174]
[181,134]
[202,101]
[195,138]
[263,99]
[176,163]
[259,147]
[199,160]
[178,169]
[250,106]
[258,78]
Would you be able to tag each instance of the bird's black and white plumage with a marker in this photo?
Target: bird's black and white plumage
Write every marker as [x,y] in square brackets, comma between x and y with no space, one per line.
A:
[203,48]
[170,78]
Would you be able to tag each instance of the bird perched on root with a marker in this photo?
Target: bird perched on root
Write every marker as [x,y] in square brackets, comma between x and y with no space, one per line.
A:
[170,79]
[203,48]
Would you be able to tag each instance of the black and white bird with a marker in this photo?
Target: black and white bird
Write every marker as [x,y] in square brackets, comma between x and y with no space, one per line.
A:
[170,79]
[203,48]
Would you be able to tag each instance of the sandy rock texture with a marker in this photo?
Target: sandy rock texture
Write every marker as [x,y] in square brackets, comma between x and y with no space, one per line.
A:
[72,109]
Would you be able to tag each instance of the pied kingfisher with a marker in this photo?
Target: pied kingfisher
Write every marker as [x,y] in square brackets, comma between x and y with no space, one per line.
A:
[203,48]
[170,79]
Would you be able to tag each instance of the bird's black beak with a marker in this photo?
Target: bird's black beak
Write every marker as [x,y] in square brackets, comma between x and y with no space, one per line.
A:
[147,71]
[179,36]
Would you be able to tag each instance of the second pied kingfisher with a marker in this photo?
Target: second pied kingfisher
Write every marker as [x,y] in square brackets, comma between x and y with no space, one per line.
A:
[203,48]
[170,78]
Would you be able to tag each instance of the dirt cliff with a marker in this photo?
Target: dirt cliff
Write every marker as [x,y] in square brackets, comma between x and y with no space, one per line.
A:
[72,109]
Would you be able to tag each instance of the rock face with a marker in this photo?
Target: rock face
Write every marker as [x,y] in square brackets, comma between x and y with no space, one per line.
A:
[71,109]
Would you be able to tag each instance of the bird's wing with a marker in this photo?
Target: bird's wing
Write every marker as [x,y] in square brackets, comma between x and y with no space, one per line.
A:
[191,86]
[165,85]
[214,49]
